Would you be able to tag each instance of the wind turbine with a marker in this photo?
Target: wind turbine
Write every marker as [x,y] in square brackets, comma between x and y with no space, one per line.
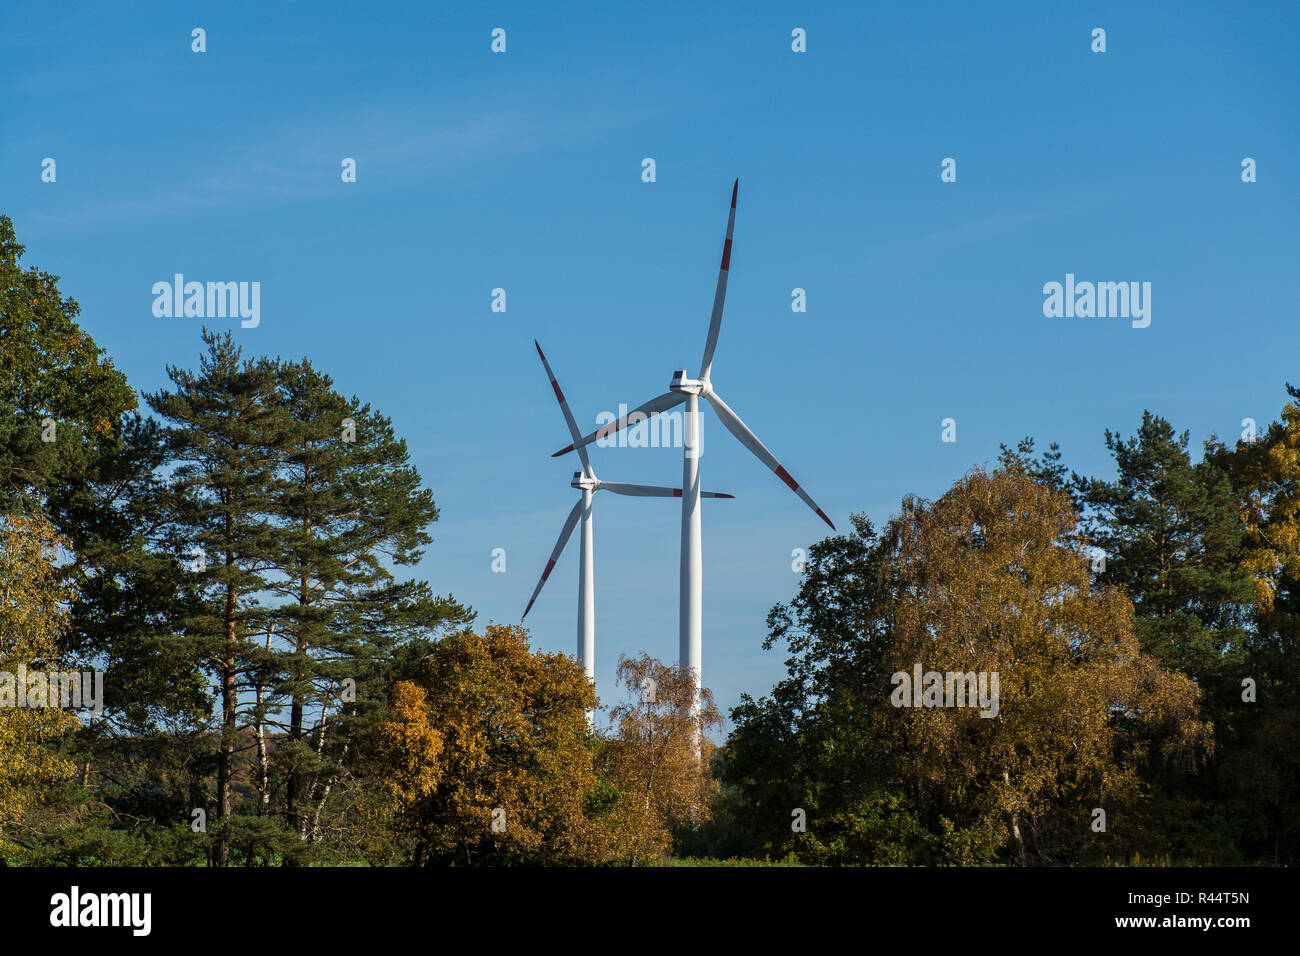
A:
[587,483]
[682,389]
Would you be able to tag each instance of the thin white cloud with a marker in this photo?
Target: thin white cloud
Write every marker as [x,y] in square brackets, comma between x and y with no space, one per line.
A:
[984,229]
[303,163]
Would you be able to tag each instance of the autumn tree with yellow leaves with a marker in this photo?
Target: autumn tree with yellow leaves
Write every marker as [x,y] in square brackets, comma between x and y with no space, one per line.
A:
[988,579]
[651,757]
[485,756]
[33,616]
[489,755]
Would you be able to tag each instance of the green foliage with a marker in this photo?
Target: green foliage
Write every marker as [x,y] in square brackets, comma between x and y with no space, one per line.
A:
[49,368]
[1173,539]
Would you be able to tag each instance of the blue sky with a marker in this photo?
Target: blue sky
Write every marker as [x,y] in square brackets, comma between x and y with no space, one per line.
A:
[522,170]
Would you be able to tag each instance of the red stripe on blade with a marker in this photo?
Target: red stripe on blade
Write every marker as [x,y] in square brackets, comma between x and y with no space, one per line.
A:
[563,451]
[785,476]
[726,255]
[821,514]
[735,186]
[558,394]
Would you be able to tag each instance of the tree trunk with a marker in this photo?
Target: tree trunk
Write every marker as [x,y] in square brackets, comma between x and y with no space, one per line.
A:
[293,786]
[320,747]
[85,765]
[263,773]
[325,793]
[1013,824]
[229,702]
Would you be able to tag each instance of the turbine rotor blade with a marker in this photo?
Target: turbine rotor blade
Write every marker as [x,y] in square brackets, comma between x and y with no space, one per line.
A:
[651,408]
[747,438]
[568,415]
[566,533]
[720,294]
[653,491]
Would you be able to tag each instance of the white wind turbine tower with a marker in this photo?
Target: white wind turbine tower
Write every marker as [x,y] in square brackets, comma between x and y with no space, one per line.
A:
[683,389]
[587,483]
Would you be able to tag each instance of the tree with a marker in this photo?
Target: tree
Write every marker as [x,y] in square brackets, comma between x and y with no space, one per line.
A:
[986,583]
[130,595]
[348,505]
[224,443]
[651,761]
[48,365]
[1173,537]
[1047,469]
[410,749]
[33,615]
[50,369]
[516,759]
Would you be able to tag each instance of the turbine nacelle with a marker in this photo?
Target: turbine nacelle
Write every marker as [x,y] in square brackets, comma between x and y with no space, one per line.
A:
[583,483]
[687,386]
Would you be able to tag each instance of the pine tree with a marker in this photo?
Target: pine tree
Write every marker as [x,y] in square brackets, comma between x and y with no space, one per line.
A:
[225,434]
[1173,538]
[350,506]
[130,594]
